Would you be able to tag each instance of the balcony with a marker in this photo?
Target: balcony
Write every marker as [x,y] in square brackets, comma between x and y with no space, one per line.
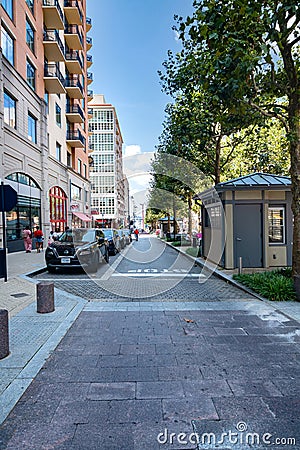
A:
[72,12]
[88,23]
[74,62]
[54,80]
[90,113]
[73,37]
[74,88]
[74,114]
[53,46]
[89,60]
[53,15]
[89,43]
[75,139]
[90,95]
[89,77]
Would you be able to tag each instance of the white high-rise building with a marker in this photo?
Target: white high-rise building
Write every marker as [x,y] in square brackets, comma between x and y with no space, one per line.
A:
[106,172]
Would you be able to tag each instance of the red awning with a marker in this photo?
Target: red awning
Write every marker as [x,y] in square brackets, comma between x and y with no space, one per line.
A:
[82,216]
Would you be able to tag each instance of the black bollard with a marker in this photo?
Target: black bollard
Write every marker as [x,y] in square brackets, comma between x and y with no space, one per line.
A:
[45,297]
[4,343]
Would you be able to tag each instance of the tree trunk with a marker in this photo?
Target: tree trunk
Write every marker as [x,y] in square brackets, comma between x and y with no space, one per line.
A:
[217,160]
[295,176]
[190,225]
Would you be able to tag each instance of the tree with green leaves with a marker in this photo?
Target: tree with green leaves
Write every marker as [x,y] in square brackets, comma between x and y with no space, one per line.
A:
[245,54]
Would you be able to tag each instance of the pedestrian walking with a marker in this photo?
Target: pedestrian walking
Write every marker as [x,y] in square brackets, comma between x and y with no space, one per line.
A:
[27,239]
[136,232]
[39,236]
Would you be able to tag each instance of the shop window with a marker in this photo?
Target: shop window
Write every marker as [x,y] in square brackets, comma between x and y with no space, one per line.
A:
[58,210]
[276,216]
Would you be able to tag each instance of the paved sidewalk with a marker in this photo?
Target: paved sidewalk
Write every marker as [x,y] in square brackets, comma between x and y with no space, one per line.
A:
[115,375]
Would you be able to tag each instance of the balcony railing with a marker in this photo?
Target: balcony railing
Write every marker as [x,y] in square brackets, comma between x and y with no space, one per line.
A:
[73,56]
[75,135]
[53,15]
[89,42]
[75,109]
[51,70]
[73,4]
[72,31]
[53,36]
[90,94]
[90,77]
[73,83]
[54,80]
[89,60]
[88,23]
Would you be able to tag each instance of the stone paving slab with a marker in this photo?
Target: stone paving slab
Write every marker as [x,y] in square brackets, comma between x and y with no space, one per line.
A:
[125,400]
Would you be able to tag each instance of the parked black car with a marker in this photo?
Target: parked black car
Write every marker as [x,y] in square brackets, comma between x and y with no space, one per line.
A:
[81,247]
[113,240]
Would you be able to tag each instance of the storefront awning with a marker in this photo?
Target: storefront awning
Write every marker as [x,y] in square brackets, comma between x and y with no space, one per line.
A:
[82,216]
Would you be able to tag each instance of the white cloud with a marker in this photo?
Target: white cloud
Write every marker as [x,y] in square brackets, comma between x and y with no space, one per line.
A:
[131,150]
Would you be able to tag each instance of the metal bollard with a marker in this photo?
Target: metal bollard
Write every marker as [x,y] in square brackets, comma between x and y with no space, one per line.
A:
[45,297]
[240,268]
[4,342]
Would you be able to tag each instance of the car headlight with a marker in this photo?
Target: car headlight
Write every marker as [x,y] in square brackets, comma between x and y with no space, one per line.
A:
[50,253]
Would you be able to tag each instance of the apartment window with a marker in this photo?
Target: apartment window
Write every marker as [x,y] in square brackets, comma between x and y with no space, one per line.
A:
[29,35]
[7,44]
[32,128]
[79,166]
[9,110]
[69,159]
[30,74]
[58,115]
[8,6]
[58,151]
[84,170]
[30,4]
[276,225]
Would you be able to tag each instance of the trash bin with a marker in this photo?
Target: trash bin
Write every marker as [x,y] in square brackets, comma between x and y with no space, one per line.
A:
[195,239]
[2,263]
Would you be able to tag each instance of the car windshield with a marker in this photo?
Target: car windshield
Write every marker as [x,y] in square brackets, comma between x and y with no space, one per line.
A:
[107,233]
[77,235]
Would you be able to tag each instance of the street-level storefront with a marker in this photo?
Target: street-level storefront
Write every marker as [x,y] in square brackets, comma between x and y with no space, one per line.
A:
[27,212]
[58,209]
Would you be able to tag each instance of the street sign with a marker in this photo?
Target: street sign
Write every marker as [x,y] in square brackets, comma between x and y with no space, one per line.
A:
[8,197]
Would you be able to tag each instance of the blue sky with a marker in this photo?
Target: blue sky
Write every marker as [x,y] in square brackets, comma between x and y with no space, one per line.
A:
[130,41]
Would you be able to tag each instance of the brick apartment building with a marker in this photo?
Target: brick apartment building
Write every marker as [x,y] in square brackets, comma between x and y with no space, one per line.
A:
[45,89]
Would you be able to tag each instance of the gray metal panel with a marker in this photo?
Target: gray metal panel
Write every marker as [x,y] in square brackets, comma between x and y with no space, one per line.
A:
[248,235]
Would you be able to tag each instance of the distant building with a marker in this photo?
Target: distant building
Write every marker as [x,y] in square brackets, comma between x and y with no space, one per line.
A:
[44,82]
[106,175]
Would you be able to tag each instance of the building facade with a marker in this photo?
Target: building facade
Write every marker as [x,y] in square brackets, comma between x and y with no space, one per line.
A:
[108,186]
[45,78]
